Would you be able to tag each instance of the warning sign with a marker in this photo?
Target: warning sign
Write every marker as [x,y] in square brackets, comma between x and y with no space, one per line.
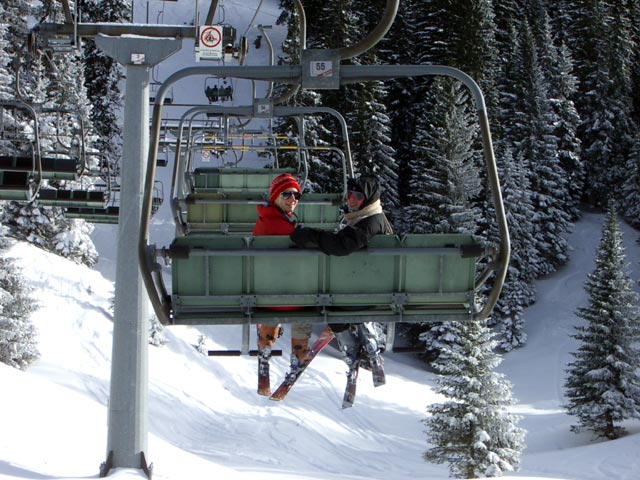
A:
[210,42]
[210,37]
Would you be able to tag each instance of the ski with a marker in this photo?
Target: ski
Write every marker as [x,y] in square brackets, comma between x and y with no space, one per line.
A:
[377,370]
[292,377]
[350,391]
[264,381]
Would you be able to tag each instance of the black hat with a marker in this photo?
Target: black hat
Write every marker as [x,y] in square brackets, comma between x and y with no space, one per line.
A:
[367,184]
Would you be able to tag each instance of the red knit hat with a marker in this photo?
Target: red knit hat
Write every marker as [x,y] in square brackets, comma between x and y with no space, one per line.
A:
[280,184]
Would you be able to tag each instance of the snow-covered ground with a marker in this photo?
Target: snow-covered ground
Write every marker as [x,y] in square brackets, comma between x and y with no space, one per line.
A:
[206,420]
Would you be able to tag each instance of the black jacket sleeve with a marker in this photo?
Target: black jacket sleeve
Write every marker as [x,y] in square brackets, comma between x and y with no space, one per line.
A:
[344,242]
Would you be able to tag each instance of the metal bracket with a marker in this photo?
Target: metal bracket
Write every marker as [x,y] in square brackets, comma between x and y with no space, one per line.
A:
[398,301]
[247,303]
[323,301]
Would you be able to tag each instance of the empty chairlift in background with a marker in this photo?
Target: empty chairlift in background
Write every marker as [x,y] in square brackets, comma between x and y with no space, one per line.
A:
[20,152]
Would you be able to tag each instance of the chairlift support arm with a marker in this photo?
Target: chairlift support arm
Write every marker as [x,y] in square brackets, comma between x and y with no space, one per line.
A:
[292,74]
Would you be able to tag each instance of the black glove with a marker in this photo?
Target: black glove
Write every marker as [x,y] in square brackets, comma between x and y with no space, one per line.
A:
[304,237]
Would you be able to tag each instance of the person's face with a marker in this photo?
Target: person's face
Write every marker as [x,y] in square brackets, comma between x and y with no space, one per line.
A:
[287,200]
[354,200]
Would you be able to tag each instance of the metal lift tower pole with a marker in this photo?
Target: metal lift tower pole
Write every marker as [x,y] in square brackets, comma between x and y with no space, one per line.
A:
[127,423]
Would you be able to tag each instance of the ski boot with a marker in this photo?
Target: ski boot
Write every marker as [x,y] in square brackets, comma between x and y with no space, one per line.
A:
[300,356]
[349,345]
[267,335]
[370,335]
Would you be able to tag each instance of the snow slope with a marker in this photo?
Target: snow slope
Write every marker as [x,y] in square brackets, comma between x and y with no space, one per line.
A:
[206,420]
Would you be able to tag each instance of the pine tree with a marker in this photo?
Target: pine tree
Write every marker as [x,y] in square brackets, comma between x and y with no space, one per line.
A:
[631,187]
[18,345]
[472,431]
[602,43]
[30,223]
[445,180]
[6,79]
[603,383]
[370,135]
[529,121]
[103,75]
[47,228]
[73,241]
[59,88]
[563,88]
[402,99]
[556,66]
[518,291]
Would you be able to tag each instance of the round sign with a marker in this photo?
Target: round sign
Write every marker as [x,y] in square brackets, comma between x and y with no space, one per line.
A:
[210,37]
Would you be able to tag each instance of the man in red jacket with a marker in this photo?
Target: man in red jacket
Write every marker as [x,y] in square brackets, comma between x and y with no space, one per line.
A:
[277,218]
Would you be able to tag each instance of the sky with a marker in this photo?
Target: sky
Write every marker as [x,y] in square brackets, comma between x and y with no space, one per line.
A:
[205,419]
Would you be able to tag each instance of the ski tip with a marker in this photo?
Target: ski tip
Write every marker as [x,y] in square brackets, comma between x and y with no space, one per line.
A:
[347,405]
[379,381]
[265,392]
[276,399]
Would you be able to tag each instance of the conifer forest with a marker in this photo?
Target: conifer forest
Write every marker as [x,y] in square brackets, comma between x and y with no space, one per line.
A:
[561,81]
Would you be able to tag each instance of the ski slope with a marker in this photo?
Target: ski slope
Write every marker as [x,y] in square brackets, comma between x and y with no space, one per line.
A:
[205,419]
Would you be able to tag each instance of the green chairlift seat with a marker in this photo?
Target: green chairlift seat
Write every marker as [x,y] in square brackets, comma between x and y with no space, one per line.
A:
[215,180]
[52,168]
[71,198]
[94,215]
[16,186]
[235,212]
[231,280]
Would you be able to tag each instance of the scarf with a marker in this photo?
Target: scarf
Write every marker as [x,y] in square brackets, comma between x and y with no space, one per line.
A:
[374,208]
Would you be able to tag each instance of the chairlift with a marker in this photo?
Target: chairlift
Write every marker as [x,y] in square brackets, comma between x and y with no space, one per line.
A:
[218,90]
[417,278]
[21,170]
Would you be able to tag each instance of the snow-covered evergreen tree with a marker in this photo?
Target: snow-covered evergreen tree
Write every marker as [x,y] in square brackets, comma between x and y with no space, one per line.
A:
[58,86]
[18,344]
[563,88]
[473,431]
[47,228]
[74,242]
[157,338]
[324,170]
[556,66]
[29,223]
[518,290]
[402,98]
[602,43]
[603,383]
[6,79]
[445,180]
[529,121]
[631,187]
[103,75]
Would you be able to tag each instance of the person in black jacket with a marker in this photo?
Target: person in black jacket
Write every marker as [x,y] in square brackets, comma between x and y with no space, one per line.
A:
[363,220]
[360,223]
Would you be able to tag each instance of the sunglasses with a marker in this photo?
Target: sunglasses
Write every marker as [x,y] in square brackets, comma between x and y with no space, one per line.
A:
[287,195]
[357,195]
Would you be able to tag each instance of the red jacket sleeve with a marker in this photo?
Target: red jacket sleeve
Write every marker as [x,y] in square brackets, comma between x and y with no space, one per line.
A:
[273,221]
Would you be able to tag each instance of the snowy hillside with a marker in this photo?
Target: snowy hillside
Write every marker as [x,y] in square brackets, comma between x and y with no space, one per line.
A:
[205,419]
[207,422]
